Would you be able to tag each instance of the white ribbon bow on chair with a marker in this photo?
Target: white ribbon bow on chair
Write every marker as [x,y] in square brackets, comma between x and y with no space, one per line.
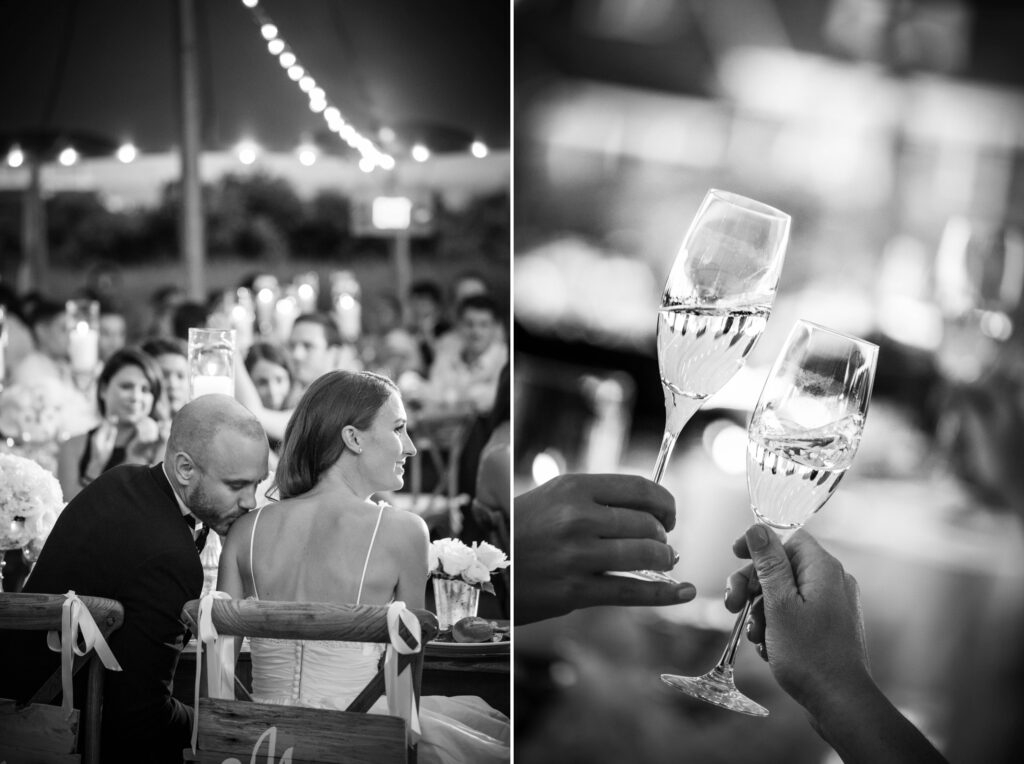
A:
[220,671]
[76,622]
[399,687]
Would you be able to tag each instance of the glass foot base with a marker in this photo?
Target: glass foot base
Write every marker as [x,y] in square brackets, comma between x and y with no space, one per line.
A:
[716,687]
[645,575]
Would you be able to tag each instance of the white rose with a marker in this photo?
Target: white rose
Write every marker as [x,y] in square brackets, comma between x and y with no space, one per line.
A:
[476,573]
[456,557]
[490,556]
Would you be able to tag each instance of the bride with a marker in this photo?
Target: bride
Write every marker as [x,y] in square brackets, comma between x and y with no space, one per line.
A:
[326,541]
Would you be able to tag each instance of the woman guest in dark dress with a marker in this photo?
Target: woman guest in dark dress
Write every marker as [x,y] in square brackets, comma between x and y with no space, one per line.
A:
[127,391]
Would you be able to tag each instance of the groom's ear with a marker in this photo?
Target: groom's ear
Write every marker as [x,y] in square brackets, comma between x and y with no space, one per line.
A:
[183,467]
[350,436]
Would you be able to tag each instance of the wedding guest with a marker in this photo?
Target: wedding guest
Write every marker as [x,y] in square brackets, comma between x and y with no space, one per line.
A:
[127,392]
[327,541]
[46,319]
[468,370]
[126,536]
[427,322]
[163,304]
[316,348]
[171,355]
[569,532]
[270,368]
[188,315]
[494,474]
[113,330]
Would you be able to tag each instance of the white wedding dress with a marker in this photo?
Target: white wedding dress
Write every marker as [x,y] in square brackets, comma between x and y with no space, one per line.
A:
[326,674]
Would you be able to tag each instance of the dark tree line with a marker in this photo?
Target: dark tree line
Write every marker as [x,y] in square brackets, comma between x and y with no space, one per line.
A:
[251,215]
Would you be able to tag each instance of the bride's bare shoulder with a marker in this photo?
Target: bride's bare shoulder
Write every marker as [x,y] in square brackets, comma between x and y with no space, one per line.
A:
[410,525]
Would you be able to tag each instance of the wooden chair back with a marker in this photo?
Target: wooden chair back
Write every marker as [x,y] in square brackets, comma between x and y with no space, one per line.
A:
[38,732]
[237,728]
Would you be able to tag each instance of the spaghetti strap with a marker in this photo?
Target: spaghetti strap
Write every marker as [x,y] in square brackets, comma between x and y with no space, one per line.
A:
[366,563]
[252,567]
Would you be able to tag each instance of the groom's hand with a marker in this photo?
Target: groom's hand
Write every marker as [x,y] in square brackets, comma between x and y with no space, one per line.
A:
[569,532]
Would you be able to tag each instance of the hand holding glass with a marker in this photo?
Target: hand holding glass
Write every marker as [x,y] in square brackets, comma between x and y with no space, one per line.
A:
[802,438]
[714,308]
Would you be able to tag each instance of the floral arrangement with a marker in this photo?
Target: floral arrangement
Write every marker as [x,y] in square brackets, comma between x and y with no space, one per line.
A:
[35,418]
[30,500]
[44,411]
[453,559]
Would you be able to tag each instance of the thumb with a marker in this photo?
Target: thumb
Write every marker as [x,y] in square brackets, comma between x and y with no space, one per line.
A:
[774,570]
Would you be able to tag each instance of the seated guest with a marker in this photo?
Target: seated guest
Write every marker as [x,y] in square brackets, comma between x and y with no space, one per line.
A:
[127,392]
[171,355]
[46,320]
[188,315]
[467,371]
[316,348]
[270,369]
[113,330]
[126,536]
[493,492]
[427,323]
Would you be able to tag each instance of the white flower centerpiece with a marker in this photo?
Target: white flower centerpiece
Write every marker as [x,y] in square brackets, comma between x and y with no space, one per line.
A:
[459,572]
[30,501]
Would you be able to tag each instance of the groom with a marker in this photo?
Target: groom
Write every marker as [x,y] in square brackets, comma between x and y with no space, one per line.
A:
[127,536]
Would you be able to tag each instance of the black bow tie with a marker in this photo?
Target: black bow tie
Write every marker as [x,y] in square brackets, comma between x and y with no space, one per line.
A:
[201,537]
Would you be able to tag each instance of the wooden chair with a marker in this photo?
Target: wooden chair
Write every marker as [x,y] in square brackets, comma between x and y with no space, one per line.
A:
[439,436]
[235,727]
[38,732]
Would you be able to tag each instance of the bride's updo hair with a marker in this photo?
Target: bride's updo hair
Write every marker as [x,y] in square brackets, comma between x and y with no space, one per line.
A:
[312,439]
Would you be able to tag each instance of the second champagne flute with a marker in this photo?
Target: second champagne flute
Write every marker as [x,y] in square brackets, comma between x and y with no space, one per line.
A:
[803,435]
[714,308]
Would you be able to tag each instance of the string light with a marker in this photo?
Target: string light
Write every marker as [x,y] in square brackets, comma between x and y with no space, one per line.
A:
[126,153]
[420,153]
[15,157]
[307,155]
[371,156]
[478,149]
[247,151]
[67,156]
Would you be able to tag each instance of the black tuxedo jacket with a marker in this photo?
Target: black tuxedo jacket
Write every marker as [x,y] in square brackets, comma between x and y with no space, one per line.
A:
[122,537]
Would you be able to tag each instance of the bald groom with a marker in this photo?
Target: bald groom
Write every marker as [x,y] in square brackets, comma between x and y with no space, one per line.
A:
[128,536]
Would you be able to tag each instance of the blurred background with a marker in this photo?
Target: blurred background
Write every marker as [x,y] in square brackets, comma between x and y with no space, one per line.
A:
[891,131]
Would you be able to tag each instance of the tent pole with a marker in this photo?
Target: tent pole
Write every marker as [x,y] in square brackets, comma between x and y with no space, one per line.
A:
[192,242]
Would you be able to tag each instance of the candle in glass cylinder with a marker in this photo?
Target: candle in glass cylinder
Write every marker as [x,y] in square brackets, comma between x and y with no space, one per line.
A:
[207,384]
[83,347]
[211,359]
[285,313]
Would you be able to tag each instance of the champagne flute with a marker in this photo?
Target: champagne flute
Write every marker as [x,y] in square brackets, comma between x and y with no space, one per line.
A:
[979,280]
[714,308]
[802,437]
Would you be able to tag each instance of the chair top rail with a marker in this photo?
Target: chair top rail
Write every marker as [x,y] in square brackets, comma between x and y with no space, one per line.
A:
[304,620]
[31,612]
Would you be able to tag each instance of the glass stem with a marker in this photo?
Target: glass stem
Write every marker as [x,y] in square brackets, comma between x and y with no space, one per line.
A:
[728,658]
[668,442]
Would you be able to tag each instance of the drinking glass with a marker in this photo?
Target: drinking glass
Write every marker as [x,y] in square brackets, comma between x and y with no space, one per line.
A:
[979,279]
[802,437]
[714,308]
